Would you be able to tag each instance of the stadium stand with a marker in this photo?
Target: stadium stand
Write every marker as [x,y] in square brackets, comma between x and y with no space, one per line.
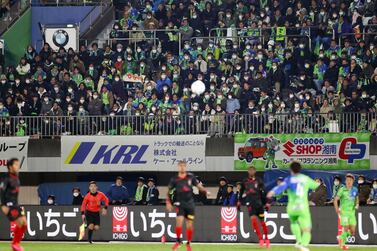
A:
[279,66]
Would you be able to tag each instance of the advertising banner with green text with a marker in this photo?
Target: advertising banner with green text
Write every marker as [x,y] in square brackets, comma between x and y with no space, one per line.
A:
[314,151]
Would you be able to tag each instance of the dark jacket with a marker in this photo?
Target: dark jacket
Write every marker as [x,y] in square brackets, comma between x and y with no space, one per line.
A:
[364,192]
[221,195]
[152,196]
[118,195]
[319,195]
[230,200]
[77,201]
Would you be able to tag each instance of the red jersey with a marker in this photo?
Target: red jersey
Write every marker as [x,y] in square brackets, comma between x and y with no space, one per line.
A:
[92,202]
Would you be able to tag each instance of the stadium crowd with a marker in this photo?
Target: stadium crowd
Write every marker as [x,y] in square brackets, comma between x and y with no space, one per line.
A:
[267,66]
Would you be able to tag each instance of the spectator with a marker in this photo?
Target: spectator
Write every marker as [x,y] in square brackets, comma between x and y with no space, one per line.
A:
[153,193]
[364,190]
[337,184]
[230,199]
[51,200]
[270,80]
[319,195]
[77,197]
[222,191]
[372,200]
[141,192]
[118,193]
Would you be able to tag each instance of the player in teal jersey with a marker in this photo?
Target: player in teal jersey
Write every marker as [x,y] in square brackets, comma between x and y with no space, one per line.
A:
[298,186]
[349,203]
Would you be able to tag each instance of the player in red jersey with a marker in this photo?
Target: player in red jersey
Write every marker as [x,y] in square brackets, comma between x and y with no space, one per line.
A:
[93,202]
[254,195]
[10,187]
[184,202]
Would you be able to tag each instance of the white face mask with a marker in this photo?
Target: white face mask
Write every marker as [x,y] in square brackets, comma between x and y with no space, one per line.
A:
[336,183]
[75,194]
[374,186]
[360,181]
[117,79]
[70,108]
[50,202]
[81,109]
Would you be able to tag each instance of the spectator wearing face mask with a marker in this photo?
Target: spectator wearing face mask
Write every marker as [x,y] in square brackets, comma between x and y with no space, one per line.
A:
[163,81]
[319,195]
[46,105]
[337,184]
[372,200]
[77,197]
[364,190]
[51,200]
[95,105]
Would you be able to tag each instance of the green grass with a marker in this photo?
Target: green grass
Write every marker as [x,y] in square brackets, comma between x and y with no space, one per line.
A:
[49,246]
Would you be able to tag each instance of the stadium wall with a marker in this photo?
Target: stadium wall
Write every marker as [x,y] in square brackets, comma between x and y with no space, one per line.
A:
[44,155]
[17,38]
[212,224]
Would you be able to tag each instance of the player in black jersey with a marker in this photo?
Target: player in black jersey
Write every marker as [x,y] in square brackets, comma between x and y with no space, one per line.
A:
[184,202]
[9,188]
[254,195]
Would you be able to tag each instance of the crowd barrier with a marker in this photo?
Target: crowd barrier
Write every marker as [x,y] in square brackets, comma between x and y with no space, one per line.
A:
[213,125]
[212,224]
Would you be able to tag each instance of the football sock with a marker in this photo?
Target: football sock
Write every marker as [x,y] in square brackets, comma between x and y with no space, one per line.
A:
[344,236]
[265,230]
[295,229]
[90,235]
[189,233]
[256,228]
[178,232]
[18,234]
[306,237]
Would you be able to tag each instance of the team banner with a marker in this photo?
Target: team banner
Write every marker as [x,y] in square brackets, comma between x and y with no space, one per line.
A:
[314,151]
[212,224]
[132,153]
[13,147]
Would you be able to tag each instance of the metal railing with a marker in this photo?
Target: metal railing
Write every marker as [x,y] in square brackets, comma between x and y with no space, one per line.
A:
[69,2]
[213,125]
[15,12]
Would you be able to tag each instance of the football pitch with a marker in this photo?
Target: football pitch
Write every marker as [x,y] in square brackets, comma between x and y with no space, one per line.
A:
[50,246]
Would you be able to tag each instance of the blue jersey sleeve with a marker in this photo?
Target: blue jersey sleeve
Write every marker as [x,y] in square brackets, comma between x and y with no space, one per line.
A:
[282,187]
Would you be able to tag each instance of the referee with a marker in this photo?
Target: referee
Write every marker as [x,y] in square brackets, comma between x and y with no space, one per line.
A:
[91,206]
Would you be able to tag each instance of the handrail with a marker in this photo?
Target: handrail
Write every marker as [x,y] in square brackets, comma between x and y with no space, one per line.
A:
[219,124]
